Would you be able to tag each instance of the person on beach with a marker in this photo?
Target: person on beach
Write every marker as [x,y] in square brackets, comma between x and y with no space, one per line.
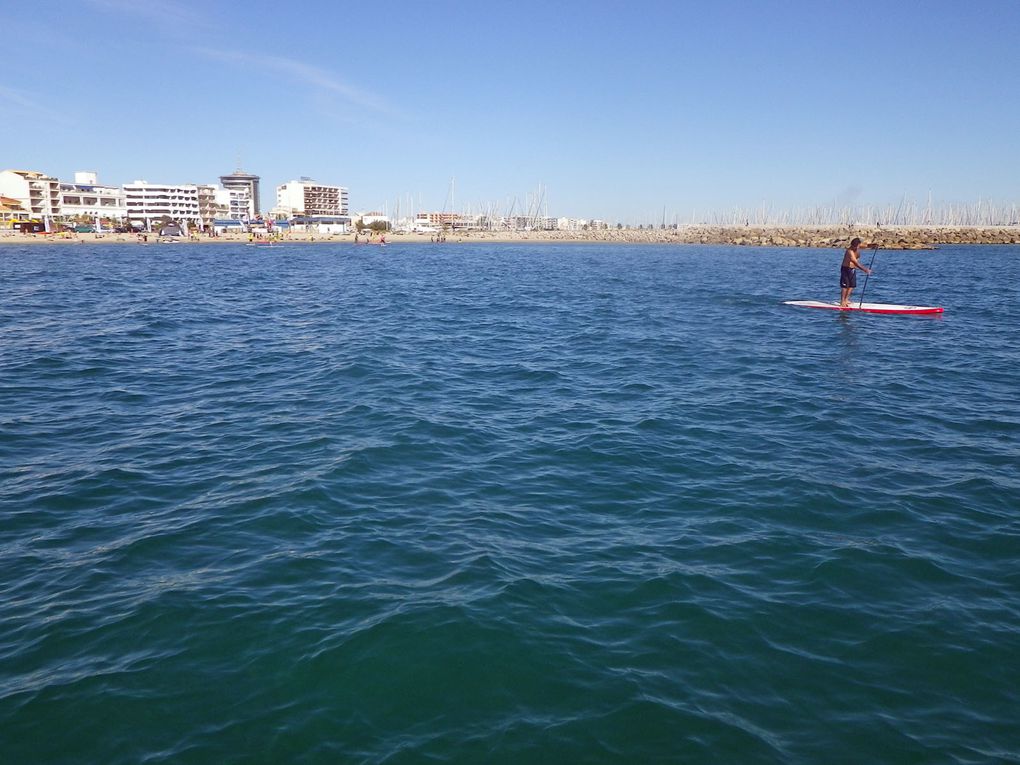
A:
[847,275]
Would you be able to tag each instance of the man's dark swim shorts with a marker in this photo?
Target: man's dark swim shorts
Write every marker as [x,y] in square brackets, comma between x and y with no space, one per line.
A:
[847,277]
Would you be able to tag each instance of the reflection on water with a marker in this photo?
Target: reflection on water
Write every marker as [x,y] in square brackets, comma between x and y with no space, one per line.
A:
[848,347]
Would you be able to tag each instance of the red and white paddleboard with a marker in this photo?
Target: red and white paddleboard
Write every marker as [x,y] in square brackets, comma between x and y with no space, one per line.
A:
[866,307]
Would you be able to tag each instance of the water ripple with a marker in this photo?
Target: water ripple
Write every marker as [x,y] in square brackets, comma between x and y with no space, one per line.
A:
[503,504]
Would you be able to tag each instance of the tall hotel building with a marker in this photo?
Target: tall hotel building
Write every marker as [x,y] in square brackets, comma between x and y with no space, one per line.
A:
[307,197]
[153,202]
[244,194]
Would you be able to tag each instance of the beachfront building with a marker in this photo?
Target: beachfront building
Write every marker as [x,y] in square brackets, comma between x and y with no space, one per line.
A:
[87,198]
[310,198]
[36,192]
[11,212]
[435,219]
[320,224]
[279,213]
[367,219]
[243,191]
[226,226]
[533,223]
[155,203]
[214,204]
[571,224]
[441,220]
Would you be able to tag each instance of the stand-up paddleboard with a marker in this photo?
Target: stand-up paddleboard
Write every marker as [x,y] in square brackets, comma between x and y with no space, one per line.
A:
[867,307]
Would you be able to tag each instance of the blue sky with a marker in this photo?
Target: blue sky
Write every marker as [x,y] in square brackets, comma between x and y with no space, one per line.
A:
[619,110]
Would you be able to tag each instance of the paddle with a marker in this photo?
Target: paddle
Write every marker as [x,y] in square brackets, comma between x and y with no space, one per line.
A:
[873,254]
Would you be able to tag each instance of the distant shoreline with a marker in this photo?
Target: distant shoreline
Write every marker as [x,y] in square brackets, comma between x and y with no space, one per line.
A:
[887,237]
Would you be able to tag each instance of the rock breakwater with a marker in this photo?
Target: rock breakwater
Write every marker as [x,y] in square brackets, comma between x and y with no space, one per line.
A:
[886,237]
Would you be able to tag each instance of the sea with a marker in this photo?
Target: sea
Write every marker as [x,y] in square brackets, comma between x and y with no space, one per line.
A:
[506,503]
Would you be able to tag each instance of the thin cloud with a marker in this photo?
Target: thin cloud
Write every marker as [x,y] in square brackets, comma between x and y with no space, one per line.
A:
[20,102]
[173,17]
[167,13]
[304,74]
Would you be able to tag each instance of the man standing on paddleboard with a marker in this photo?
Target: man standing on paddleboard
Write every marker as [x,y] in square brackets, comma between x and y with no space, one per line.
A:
[847,277]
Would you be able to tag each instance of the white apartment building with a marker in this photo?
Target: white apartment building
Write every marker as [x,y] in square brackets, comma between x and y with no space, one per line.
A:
[38,193]
[153,202]
[243,189]
[571,224]
[308,197]
[240,205]
[367,219]
[87,197]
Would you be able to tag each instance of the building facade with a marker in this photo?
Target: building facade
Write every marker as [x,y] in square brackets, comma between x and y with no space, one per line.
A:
[37,193]
[439,219]
[244,195]
[367,219]
[11,211]
[87,198]
[153,203]
[214,204]
[308,197]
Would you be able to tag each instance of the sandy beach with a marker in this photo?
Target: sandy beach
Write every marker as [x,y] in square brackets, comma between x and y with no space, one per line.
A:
[887,237]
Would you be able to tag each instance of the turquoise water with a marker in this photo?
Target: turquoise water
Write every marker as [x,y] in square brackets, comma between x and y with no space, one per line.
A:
[506,504]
